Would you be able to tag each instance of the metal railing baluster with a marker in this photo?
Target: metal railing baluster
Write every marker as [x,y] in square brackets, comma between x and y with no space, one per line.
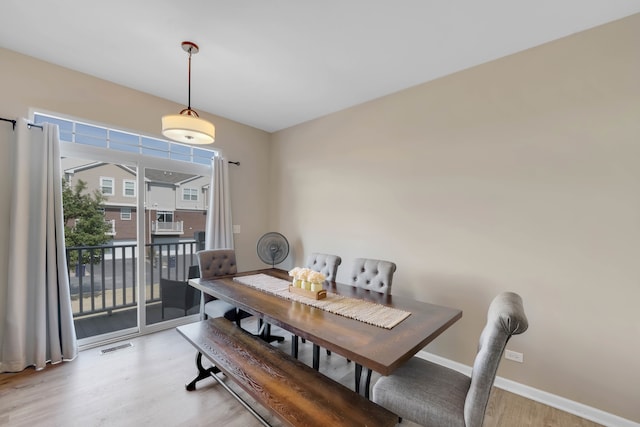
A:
[114,285]
[80,270]
[104,287]
[124,275]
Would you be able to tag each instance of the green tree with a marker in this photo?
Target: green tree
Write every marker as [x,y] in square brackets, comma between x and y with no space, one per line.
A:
[84,223]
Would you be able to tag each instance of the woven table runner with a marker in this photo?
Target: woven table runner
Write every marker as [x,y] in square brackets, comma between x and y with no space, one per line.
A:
[364,311]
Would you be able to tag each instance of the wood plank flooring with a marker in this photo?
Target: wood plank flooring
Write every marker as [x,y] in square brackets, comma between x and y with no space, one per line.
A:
[143,385]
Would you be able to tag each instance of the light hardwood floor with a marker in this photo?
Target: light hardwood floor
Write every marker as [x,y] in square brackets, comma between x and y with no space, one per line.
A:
[143,385]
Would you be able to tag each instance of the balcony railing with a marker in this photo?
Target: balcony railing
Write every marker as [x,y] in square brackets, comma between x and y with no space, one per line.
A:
[161,227]
[107,280]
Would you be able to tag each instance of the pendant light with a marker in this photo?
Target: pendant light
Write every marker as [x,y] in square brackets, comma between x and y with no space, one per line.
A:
[188,127]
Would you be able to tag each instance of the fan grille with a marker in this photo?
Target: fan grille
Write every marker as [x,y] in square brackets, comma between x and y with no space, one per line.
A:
[273,248]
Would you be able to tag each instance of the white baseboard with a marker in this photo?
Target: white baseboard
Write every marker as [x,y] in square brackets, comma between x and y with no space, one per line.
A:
[555,401]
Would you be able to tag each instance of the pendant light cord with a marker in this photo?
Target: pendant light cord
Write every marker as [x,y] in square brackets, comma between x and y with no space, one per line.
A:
[189,98]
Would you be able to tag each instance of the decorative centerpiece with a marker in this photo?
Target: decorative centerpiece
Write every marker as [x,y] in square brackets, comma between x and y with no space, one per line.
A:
[307,282]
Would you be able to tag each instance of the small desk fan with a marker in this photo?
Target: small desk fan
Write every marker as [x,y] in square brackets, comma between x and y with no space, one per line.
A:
[273,248]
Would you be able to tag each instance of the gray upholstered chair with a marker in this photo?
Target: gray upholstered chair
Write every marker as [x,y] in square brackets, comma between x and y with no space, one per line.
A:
[327,265]
[374,275]
[194,272]
[432,395]
[215,263]
[178,293]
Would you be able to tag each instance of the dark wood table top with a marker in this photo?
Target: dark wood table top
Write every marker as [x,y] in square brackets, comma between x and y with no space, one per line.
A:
[382,350]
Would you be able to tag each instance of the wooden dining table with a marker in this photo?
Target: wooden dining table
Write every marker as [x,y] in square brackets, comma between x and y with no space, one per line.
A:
[377,348]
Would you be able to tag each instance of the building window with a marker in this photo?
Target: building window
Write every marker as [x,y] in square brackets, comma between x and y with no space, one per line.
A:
[106,186]
[165,216]
[190,194]
[125,214]
[129,188]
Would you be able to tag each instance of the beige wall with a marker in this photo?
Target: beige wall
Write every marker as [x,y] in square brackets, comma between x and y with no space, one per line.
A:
[29,83]
[521,174]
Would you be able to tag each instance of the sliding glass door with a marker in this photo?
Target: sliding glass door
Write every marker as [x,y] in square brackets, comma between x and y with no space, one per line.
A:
[175,213]
[101,219]
[122,231]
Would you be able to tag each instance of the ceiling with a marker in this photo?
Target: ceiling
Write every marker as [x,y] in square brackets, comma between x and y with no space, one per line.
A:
[274,64]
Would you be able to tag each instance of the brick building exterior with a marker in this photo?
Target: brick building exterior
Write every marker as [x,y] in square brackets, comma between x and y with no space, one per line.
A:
[176,203]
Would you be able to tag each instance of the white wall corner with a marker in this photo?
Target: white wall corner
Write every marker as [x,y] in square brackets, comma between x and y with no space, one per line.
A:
[555,401]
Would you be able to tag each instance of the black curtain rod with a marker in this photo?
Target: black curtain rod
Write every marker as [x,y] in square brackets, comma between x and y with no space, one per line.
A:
[13,122]
[235,163]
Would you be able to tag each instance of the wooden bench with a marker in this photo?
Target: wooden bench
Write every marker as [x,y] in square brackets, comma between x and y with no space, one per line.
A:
[296,393]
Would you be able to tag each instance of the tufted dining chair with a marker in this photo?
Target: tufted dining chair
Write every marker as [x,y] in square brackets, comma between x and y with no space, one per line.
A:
[216,263]
[433,395]
[327,265]
[374,275]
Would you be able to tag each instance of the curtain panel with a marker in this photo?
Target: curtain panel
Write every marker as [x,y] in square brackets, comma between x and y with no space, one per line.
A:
[219,229]
[37,319]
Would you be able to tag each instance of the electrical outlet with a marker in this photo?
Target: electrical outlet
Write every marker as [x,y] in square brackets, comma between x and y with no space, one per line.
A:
[514,355]
[236,229]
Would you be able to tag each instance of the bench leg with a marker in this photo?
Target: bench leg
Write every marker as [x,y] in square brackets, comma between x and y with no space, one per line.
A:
[202,372]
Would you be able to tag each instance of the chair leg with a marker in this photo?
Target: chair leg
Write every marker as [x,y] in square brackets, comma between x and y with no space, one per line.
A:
[294,346]
[367,384]
[266,335]
[316,357]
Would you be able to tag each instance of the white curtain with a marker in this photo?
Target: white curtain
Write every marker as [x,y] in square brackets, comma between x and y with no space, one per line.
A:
[219,231]
[38,321]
